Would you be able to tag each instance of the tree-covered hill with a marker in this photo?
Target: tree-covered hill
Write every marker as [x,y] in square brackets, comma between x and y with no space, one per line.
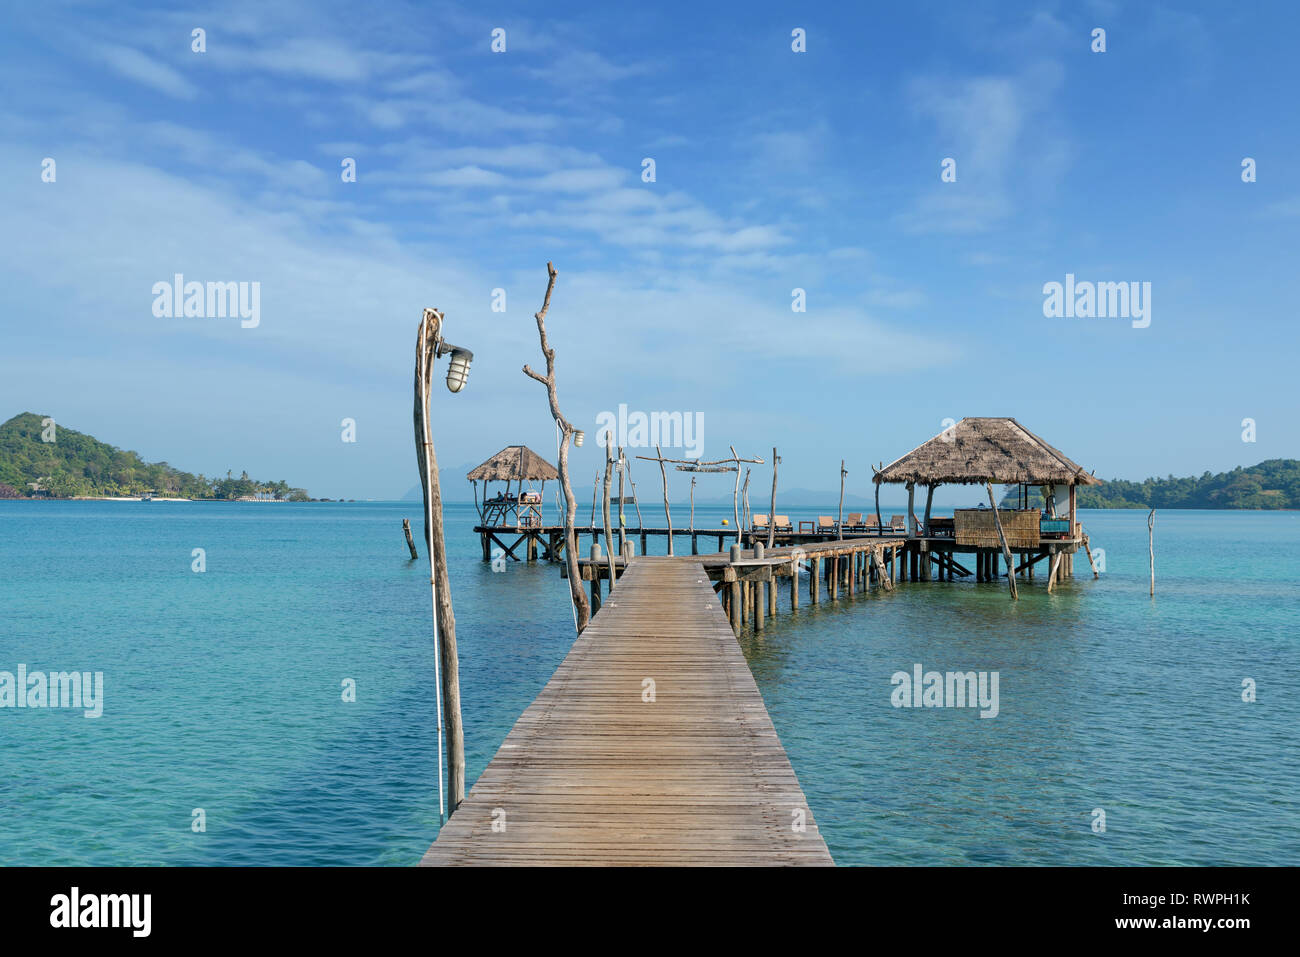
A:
[78,464]
[1274,483]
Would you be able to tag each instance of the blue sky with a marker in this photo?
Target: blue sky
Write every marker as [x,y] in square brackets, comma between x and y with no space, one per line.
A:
[774,170]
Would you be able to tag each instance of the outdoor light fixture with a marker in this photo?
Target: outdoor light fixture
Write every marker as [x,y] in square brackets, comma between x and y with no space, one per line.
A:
[578,436]
[458,367]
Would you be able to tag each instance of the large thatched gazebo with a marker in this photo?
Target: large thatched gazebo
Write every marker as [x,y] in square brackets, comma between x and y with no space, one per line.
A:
[993,451]
[522,508]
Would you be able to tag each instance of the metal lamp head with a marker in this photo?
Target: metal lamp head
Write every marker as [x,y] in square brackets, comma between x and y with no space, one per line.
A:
[458,369]
[578,437]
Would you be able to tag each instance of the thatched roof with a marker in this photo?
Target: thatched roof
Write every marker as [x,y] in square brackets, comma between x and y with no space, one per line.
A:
[979,450]
[514,463]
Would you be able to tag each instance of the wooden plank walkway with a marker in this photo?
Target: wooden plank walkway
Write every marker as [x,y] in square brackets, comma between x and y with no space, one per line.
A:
[593,774]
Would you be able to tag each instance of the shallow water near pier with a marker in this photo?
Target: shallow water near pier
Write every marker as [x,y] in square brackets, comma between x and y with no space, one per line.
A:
[223,691]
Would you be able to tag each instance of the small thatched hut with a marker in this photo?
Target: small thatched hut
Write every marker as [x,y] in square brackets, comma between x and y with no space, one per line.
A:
[513,464]
[977,451]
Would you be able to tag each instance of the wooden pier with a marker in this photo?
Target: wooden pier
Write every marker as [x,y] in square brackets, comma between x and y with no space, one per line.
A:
[649,745]
[547,541]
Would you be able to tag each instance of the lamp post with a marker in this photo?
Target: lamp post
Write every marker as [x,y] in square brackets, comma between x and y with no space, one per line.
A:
[430,346]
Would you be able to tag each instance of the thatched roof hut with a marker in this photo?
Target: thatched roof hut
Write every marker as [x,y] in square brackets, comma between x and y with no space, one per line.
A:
[980,450]
[514,463]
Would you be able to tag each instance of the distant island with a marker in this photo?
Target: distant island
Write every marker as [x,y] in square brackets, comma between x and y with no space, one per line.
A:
[76,465]
[1272,484]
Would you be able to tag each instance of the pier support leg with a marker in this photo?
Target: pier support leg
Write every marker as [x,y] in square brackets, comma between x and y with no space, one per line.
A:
[794,585]
[814,581]
[758,606]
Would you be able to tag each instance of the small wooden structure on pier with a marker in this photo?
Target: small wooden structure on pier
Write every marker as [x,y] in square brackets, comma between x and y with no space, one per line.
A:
[516,513]
[991,451]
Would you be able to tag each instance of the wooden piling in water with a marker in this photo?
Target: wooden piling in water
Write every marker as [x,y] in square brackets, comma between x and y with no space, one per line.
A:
[735,599]
[410,542]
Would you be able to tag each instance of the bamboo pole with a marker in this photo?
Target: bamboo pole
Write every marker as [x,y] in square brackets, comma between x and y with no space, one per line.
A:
[1011,565]
[446,661]
[582,611]
[410,542]
[771,514]
[595,484]
[1151,546]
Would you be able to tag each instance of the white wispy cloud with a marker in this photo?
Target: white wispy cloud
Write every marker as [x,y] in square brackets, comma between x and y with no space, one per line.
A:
[147,71]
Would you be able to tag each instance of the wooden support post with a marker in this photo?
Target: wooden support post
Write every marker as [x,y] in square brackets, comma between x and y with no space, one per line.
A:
[695,542]
[814,581]
[1051,576]
[1088,551]
[447,667]
[1151,547]
[839,523]
[882,573]
[1011,578]
[644,549]
[604,505]
[621,468]
[771,513]
[410,542]
[734,589]
[595,577]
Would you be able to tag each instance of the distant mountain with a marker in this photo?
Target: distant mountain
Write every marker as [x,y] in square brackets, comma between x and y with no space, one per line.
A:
[1272,484]
[38,458]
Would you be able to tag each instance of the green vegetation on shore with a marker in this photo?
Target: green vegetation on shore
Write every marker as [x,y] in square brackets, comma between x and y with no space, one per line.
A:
[76,464]
[1274,483]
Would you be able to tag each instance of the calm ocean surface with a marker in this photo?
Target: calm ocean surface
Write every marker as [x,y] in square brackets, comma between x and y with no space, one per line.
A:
[223,691]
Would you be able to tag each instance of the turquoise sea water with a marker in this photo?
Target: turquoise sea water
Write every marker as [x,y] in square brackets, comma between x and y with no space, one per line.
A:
[223,692]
